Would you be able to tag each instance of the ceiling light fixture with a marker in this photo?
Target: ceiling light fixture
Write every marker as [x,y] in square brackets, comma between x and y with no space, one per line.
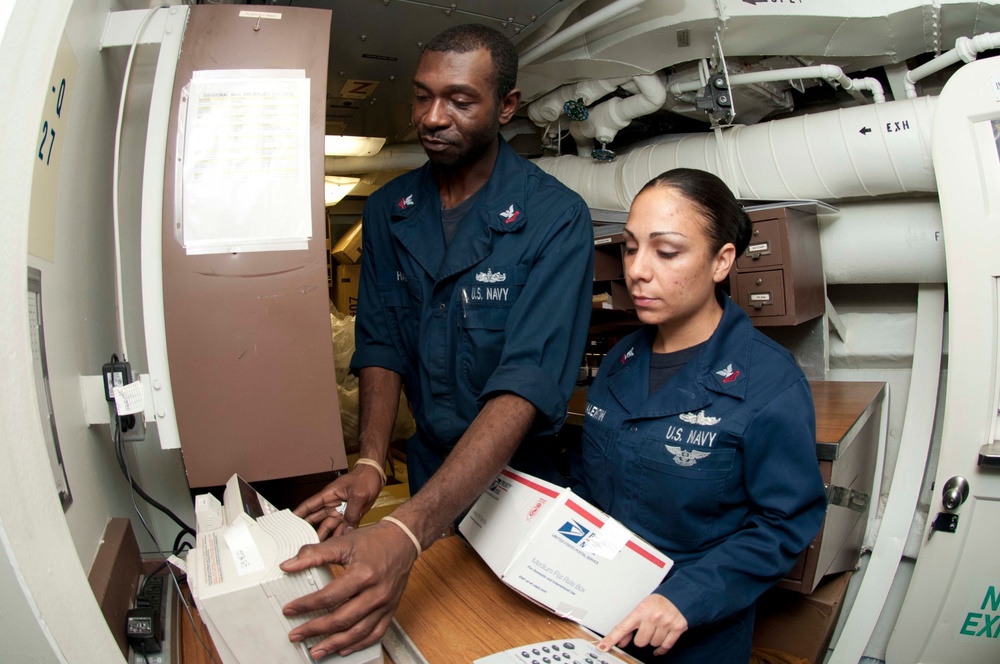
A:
[353,146]
[336,187]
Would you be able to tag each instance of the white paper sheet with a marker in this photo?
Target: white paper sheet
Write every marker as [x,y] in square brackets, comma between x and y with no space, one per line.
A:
[243,179]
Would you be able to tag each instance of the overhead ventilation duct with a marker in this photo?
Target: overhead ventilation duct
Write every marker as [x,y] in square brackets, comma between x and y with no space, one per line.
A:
[664,33]
[864,151]
[896,241]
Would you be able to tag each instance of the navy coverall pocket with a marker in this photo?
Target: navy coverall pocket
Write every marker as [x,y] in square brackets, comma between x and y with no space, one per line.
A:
[401,302]
[680,492]
[481,344]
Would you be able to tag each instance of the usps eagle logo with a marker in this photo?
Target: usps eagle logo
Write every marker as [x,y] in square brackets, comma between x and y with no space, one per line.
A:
[628,355]
[728,374]
[405,202]
[510,215]
[573,531]
[699,418]
[686,458]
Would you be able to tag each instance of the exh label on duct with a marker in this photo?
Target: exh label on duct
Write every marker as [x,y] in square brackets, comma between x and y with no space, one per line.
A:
[893,127]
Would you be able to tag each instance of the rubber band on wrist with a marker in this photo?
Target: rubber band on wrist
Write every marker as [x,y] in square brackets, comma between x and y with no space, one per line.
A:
[374,464]
[409,533]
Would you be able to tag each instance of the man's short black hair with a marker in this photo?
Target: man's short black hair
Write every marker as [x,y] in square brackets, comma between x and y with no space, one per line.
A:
[472,36]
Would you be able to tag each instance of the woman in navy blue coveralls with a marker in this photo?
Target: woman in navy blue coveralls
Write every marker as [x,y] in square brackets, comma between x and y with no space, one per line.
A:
[699,432]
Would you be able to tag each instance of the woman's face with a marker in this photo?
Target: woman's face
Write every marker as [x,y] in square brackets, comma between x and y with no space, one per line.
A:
[671,270]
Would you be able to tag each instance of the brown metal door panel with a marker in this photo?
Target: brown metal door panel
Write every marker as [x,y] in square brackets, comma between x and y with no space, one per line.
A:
[248,334]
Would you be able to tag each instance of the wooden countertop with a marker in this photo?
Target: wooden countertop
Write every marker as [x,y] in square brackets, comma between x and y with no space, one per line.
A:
[841,406]
[454,610]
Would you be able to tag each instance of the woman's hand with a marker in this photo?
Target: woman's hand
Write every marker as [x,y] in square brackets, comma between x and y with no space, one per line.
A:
[655,621]
[358,488]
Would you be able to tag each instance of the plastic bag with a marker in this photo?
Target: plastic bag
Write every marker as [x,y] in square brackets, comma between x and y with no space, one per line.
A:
[342,327]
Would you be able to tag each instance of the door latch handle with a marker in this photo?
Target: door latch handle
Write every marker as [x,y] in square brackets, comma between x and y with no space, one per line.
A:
[956,492]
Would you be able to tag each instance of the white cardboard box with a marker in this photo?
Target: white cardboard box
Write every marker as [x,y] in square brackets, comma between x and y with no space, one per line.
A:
[560,551]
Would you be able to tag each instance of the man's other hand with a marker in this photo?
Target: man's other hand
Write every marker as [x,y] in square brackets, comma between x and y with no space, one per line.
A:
[358,488]
[362,600]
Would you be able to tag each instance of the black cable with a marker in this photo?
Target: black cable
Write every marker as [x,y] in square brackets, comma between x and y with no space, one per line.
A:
[178,545]
[119,453]
[177,586]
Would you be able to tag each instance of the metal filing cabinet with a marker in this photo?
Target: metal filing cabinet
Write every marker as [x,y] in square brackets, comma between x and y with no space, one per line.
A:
[848,429]
[778,280]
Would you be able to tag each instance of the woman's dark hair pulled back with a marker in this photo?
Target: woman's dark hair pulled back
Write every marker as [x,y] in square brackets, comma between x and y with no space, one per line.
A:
[726,220]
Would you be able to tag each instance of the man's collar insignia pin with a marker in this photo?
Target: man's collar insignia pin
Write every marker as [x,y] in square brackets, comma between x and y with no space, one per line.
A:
[405,202]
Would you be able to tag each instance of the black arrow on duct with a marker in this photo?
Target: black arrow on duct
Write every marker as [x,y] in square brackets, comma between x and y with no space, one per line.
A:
[865,130]
[754,2]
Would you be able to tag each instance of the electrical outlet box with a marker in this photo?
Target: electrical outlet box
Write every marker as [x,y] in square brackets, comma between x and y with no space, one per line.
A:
[137,431]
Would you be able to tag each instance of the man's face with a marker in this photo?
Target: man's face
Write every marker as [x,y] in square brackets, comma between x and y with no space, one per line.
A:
[455,110]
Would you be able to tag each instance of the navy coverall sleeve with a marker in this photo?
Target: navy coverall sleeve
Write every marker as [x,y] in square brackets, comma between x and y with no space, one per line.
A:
[374,346]
[547,328]
[788,504]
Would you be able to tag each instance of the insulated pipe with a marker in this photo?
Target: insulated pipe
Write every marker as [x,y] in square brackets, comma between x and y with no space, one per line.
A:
[615,114]
[584,143]
[614,10]
[863,151]
[549,107]
[896,241]
[516,127]
[826,72]
[966,50]
[403,157]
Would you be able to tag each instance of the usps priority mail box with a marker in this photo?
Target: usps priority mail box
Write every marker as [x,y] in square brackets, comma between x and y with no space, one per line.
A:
[562,552]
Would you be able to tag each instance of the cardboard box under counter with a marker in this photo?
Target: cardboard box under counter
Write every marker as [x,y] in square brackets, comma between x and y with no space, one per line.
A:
[801,625]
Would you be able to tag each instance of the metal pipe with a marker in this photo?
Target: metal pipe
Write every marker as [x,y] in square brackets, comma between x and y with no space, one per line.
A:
[966,50]
[827,72]
[614,10]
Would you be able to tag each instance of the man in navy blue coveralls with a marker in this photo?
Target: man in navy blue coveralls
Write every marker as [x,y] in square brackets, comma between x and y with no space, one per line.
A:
[475,296]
